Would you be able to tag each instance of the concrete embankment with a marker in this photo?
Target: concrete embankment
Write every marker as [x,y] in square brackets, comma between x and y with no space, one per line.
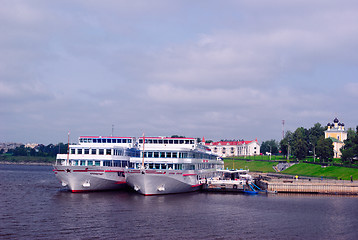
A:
[307,185]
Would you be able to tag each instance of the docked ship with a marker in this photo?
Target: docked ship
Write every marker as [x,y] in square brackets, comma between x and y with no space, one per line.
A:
[171,165]
[96,163]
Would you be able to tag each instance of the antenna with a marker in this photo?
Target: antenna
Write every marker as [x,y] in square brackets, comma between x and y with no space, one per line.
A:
[283,129]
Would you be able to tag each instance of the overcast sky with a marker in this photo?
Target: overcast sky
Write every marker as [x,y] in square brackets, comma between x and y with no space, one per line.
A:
[218,69]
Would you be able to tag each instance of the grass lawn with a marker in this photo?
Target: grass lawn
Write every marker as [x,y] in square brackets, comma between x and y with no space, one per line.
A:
[301,169]
[305,169]
[254,166]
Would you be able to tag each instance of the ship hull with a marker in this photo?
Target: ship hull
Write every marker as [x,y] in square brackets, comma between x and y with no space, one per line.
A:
[149,182]
[86,178]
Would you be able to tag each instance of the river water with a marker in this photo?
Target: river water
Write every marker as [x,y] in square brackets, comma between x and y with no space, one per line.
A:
[33,205]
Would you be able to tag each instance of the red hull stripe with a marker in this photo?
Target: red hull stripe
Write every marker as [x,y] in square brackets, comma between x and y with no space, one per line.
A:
[190,174]
[86,170]
[120,182]
[113,171]
[197,185]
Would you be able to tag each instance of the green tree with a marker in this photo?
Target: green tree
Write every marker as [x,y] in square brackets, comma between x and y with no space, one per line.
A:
[285,143]
[269,146]
[300,143]
[314,134]
[324,149]
[350,148]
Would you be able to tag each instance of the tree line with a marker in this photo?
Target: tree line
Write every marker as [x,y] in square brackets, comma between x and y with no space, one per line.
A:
[311,142]
[40,150]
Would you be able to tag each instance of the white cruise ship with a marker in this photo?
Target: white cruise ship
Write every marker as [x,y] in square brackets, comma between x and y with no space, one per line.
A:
[171,165]
[96,163]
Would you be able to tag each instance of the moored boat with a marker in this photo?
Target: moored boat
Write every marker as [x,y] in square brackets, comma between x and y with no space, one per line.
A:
[171,165]
[96,163]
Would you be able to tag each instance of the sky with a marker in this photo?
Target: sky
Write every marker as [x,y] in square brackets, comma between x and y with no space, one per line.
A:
[214,69]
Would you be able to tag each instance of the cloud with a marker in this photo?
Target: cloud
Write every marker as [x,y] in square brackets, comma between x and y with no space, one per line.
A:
[231,70]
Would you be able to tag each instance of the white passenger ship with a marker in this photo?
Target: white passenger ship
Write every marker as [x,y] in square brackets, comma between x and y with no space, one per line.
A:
[96,163]
[171,165]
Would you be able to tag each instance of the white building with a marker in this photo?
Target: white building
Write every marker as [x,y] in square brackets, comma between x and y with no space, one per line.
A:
[234,148]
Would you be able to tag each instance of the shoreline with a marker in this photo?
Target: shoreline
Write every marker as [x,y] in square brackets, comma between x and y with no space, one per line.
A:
[26,163]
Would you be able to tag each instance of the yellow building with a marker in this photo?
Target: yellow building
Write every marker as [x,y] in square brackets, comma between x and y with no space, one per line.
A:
[338,134]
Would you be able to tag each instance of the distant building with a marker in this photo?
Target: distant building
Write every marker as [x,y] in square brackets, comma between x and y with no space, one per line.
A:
[338,134]
[6,146]
[234,148]
[31,145]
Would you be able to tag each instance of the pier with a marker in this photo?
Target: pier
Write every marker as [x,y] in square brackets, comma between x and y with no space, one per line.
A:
[308,185]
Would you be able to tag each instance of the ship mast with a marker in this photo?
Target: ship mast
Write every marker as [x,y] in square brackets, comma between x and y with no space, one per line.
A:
[143,152]
[68,148]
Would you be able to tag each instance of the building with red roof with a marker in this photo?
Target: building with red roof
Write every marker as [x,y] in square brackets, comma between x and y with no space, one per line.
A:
[234,148]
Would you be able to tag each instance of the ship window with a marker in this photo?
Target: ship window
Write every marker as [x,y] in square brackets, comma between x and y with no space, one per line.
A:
[169,154]
[108,151]
[73,151]
[187,142]
[157,166]
[114,140]
[129,140]
[150,154]
[162,154]
[156,154]
[191,141]
[94,140]
[160,141]
[170,166]
[125,141]
[150,141]
[83,163]
[163,166]
[181,141]
[140,140]
[176,141]
[151,165]
[166,141]
[79,151]
[86,151]
[170,141]
[101,151]
[81,140]
[155,141]
[174,155]
[94,151]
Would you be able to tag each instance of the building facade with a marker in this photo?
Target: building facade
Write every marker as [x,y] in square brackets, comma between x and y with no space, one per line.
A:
[234,148]
[338,134]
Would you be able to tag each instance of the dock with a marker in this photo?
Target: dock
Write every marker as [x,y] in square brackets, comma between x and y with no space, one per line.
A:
[307,185]
[231,186]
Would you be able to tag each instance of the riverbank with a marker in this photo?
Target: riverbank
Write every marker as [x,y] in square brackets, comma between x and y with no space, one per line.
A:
[27,163]
[300,169]
[27,160]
